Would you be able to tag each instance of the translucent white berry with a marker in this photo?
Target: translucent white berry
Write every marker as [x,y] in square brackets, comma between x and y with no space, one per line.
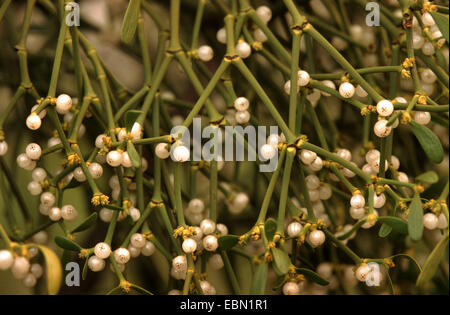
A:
[114,158]
[210,243]
[126,161]
[267,151]
[427,19]
[181,153]
[385,108]
[196,206]
[241,104]
[99,141]
[205,53]
[347,90]
[360,91]
[357,201]
[6,259]
[243,49]
[122,255]
[54,214]
[362,272]
[303,78]
[63,104]
[357,213]
[148,249]
[96,170]
[442,221]
[427,76]
[380,128]
[33,121]
[294,229]
[39,174]
[102,250]
[34,188]
[162,151]
[242,117]
[216,262]
[307,156]
[189,245]
[264,13]
[69,213]
[138,240]
[48,199]
[430,221]
[207,226]
[96,264]
[422,118]
[222,36]
[291,288]
[316,238]
[3,148]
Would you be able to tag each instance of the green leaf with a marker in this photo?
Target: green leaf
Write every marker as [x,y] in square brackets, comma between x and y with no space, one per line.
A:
[384,230]
[86,224]
[130,21]
[130,118]
[65,243]
[281,260]
[429,177]
[442,23]
[432,263]
[312,276]
[270,227]
[227,242]
[258,286]
[133,154]
[397,224]
[429,141]
[415,219]
[54,269]
[85,269]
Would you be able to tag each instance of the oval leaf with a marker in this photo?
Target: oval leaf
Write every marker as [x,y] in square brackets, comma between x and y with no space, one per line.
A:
[281,260]
[130,21]
[397,224]
[65,243]
[429,141]
[258,286]
[227,242]
[270,227]
[312,276]
[384,230]
[415,219]
[86,224]
[133,154]
[429,177]
[130,118]
[442,23]
[432,263]
[54,269]
[85,269]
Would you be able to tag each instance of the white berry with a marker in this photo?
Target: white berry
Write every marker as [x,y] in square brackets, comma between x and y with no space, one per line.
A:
[205,53]
[63,104]
[122,255]
[347,90]
[385,108]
